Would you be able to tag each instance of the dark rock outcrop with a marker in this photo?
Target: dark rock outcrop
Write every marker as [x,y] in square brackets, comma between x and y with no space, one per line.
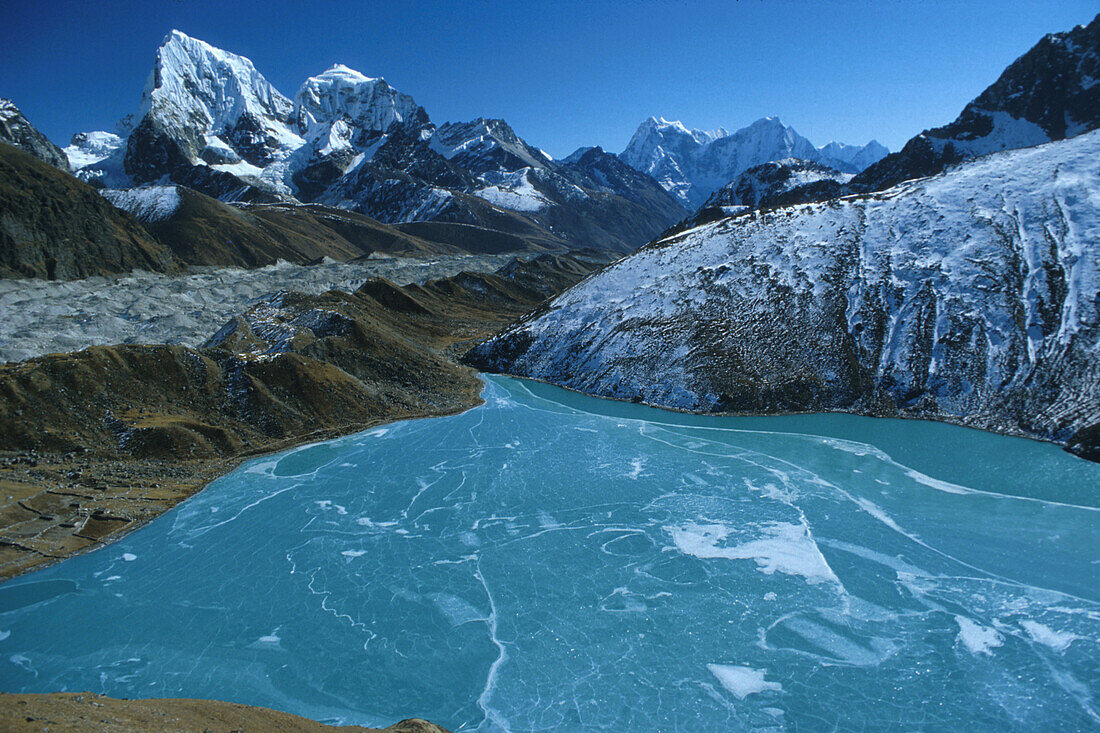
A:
[15,130]
[1050,93]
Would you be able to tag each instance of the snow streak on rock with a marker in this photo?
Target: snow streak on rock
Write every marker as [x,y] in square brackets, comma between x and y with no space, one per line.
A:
[971,296]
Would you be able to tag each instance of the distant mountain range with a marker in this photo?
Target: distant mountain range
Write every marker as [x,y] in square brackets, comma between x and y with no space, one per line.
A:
[693,164]
[210,121]
[214,131]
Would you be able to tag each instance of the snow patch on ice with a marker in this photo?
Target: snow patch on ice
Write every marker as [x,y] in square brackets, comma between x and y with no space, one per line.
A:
[743,681]
[1059,641]
[785,548]
[976,638]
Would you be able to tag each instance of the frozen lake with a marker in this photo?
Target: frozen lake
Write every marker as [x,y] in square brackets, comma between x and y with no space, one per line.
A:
[550,561]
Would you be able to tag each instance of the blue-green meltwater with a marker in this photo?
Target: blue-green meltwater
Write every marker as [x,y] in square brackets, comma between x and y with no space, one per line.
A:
[553,562]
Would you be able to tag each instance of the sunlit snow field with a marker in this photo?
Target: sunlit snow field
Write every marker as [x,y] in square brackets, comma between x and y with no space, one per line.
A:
[549,561]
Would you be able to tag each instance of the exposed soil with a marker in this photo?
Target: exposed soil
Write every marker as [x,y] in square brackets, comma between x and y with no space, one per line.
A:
[86,711]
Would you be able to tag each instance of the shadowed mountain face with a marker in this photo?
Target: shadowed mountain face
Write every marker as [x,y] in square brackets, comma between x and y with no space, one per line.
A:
[780,183]
[57,227]
[15,130]
[209,120]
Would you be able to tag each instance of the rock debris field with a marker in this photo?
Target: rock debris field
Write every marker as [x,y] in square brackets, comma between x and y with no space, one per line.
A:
[42,317]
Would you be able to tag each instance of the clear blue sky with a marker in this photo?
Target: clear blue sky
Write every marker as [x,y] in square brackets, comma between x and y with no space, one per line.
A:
[564,74]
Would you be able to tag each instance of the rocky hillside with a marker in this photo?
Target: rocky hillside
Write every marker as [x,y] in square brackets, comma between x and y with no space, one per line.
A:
[200,230]
[693,164]
[210,121]
[57,227]
[95,442]
[972,297]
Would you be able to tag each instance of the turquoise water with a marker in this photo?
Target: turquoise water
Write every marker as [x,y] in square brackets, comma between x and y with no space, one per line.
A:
[549,561]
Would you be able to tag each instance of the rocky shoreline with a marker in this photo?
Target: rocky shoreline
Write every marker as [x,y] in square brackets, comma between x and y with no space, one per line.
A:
[86,711]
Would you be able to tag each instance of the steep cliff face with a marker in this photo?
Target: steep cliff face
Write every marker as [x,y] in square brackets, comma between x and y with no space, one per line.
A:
[972,296]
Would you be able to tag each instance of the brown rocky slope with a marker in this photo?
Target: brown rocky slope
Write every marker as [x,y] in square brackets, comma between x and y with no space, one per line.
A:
[96,442]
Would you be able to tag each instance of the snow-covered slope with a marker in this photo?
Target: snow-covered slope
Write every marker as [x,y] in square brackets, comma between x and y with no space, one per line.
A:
[147,204]
[693,164]
[972,296]
[88,148]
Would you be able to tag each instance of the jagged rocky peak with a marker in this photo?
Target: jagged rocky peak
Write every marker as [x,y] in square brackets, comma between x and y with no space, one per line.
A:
[692,164]
[579,153]
[780,183]
[484,145]
[1052,92]
[16,130]
[1055,87]
[344,97]
[657,140]
[215,104]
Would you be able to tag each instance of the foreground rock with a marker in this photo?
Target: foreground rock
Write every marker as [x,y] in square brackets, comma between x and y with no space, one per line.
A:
[94,443]
[87,711]
[971,297]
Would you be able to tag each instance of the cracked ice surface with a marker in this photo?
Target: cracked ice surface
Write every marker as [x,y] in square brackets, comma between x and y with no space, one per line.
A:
[549,561]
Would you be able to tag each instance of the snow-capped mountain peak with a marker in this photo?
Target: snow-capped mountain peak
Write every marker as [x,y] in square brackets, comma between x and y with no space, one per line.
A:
[856,156]
[344,94]
[692,164]
[194,82]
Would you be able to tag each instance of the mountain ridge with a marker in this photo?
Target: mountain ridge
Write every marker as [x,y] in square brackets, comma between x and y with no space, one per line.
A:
[209,120]
[693,164]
